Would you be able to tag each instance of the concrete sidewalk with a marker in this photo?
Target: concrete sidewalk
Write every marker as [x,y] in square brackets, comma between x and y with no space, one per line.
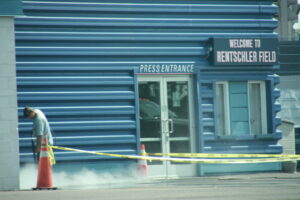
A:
[278,186]
[263,175]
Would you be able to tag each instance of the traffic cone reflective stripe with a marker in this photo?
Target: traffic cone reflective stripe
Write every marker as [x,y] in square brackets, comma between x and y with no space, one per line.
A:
[44,180]
[142,163]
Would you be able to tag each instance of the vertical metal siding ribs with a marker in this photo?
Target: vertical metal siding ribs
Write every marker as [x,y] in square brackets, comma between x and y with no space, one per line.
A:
[76,60]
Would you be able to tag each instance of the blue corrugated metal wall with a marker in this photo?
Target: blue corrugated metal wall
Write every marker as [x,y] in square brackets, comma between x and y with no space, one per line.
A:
[289,58]
[76,61]
[11,8]
[90,106]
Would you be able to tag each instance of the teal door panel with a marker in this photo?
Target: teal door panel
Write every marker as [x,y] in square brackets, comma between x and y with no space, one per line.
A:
[238,99]
[238,87]
[239,114]
[240,128]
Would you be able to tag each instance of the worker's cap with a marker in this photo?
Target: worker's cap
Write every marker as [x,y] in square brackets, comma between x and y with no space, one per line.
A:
[27,111]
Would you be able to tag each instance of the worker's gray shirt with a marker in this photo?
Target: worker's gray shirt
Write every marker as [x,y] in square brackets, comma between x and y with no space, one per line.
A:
[41,126]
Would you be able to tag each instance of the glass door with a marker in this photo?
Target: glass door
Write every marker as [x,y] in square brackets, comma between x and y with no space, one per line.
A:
[166,120]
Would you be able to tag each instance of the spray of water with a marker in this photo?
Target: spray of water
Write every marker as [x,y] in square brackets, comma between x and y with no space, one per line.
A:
[28,177]
[83,179]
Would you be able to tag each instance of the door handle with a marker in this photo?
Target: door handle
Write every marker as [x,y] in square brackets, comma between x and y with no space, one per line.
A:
[165,126]
[171,129]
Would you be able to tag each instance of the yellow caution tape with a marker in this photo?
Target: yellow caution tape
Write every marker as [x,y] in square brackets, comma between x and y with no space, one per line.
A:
[218,155]
[210,160]
[51,156]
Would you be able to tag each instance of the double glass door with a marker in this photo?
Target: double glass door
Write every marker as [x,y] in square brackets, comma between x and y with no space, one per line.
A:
[166,121]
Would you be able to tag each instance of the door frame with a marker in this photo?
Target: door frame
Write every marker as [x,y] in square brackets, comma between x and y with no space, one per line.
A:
[171,169]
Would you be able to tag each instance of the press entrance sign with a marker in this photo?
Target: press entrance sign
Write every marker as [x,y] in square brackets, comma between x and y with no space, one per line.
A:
[245,51]
[166,68]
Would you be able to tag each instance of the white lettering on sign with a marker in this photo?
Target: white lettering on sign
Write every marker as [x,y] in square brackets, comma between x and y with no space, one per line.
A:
[241,43]
[246,56]
[166,68]
[245,51]
[245,43]
[236,56]
[257,43]
[150,68]
[267,56]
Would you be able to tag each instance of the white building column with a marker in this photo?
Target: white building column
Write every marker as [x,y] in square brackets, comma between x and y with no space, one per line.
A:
[9,142]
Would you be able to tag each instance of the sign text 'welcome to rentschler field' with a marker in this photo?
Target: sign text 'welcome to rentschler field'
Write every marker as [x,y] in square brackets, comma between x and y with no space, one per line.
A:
[245,51]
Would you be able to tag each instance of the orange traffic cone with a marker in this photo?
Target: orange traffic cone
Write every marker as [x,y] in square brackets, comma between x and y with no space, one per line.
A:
[142,163]
[44,180]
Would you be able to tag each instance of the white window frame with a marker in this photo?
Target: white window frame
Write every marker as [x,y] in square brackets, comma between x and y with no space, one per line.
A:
[263,112]
[226,107]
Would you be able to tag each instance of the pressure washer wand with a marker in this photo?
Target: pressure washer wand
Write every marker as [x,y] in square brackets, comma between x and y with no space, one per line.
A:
[33,150]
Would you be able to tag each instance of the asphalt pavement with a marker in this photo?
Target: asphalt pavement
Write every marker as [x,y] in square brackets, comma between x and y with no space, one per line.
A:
[258,186]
